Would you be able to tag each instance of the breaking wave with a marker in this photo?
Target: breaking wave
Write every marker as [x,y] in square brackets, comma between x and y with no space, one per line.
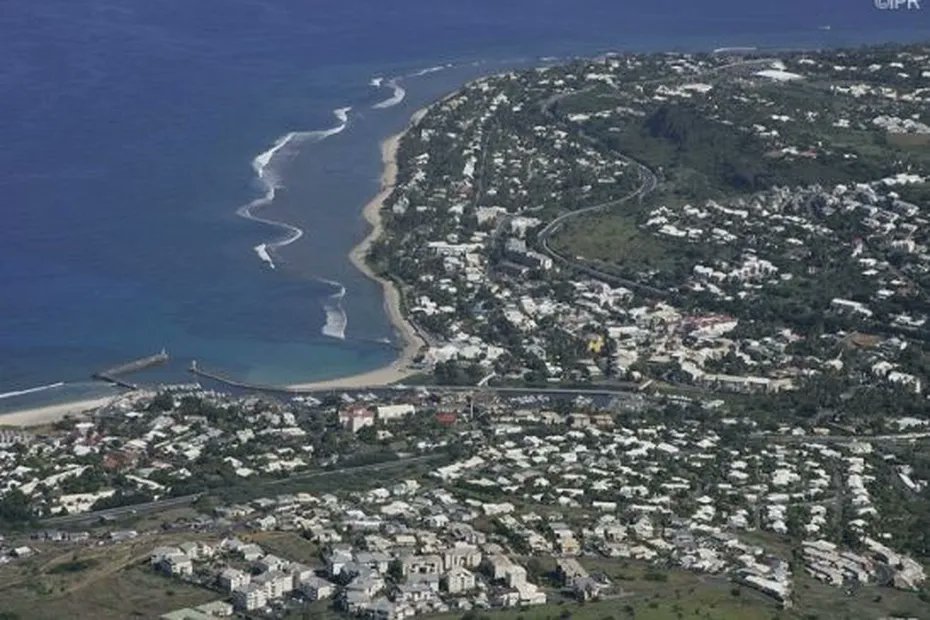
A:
[398,92]
[263,165]
[428,70]
[32,390]
[336,318]
[268,176]
[396,97]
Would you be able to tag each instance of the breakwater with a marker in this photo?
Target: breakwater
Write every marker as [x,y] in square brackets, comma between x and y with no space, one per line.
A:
[111,375]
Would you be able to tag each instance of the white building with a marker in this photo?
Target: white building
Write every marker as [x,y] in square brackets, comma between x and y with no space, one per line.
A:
[390,413]
[458,580]
[232,579]
[250,597]
[315,588]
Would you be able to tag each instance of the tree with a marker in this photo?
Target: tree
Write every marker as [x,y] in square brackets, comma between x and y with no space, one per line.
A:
[367,434]
[15,508]
[163,401]
[396,571]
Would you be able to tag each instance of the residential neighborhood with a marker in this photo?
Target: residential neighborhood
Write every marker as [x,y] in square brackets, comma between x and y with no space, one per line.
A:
[532,503]
[673,314]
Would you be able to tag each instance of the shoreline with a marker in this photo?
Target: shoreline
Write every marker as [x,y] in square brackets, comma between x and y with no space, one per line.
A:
[401,368]
[47,414]
[398,370]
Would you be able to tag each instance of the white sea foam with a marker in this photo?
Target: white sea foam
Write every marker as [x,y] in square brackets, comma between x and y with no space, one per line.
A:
[262,250]
[32,390]
[343,115]
[263,164]
[396,97]
[291,233]
[336,318]
[398,92]
[262,160]
[428,70]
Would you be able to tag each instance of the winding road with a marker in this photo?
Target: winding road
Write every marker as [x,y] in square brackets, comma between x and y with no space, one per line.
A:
[647,186]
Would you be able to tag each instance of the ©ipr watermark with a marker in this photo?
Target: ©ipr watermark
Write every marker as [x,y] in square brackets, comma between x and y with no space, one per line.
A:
[897,5]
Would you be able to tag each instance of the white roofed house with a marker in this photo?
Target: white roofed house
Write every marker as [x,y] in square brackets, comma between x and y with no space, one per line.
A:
[172,561]
[422,564]
[265,523]
[359,592]
[231,579]
[315,588]
[376,561]
[458,580]
[271,562]
[198,550]
[21,552]
[338,559]
[415,594]
[356,418]
[909,381]
[391,413]
[299,572]
[569,570]
[520,592]
[461,555]
[383,609]
[276,583]
[430,581]
[250,597]
[852,307]
[179,565]
[160,553]
[250,552]
[908,574]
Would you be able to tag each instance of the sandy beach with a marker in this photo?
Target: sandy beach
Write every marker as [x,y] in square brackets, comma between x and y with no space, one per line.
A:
[395,372]
[401,368]
[48,414]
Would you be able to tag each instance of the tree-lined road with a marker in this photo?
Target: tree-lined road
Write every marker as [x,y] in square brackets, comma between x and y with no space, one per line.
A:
[186,500]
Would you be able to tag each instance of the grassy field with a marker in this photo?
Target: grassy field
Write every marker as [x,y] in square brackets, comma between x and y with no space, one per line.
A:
[642,591]
[116,582]
[813,599]
[614,243]
[289,545]
[619,609]
[93,583]
[614,239]
[666,593]
[319,610]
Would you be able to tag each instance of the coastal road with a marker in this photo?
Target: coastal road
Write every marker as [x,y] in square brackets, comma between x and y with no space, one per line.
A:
[615,389]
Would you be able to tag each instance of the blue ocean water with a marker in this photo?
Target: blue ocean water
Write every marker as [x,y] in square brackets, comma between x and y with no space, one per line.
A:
[128,131]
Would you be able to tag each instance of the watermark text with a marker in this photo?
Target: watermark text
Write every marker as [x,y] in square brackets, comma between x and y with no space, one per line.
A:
[897,5]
